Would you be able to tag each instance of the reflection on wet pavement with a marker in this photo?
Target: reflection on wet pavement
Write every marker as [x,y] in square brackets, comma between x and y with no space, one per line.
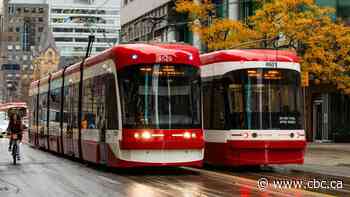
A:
[42,174]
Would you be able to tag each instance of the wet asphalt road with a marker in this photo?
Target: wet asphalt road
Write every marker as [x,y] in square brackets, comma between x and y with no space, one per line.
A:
[41,174]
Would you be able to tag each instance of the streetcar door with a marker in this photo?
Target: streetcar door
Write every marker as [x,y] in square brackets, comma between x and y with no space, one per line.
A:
[70,121]
[107,115]
[103,146]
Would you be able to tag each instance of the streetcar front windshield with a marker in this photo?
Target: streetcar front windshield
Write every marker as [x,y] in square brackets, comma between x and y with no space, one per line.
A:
[160,96]
[264,99]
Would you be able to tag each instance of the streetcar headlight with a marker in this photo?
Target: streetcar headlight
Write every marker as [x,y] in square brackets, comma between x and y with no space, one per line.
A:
[245,135]
[187,135]
[194,135]
[146,135]
[137,135]
[134,57]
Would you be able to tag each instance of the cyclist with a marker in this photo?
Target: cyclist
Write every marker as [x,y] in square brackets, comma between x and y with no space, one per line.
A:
[15,127]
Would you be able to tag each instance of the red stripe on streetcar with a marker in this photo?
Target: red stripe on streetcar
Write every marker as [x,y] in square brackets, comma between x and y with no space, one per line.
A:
[236,153]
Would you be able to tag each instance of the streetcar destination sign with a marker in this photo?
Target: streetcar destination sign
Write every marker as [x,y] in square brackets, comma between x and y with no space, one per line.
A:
[271,64]
[165,58]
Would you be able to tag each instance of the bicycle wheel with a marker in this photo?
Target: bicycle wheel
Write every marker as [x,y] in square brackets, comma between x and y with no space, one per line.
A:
[14,153]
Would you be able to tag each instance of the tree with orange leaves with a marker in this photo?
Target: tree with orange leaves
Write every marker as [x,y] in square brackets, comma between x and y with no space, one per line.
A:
[322,43]
[214,32]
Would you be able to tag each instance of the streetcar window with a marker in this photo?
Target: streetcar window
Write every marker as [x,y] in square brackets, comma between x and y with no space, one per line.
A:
[100,102]
[71,102]
[33,106]
[55,105]
[42,108]
[257,99]
[207,88]
[111,102]
[160,96]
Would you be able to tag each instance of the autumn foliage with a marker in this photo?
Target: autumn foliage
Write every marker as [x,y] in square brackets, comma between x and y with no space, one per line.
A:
[214,32]
[322,43]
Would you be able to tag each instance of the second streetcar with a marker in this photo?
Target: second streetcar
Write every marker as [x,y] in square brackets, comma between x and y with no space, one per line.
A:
[252,108]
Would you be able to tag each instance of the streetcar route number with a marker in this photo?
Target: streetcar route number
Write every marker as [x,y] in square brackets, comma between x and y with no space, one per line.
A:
[271,64]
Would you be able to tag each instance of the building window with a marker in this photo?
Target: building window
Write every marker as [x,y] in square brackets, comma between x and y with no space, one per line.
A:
[57,11]
[40,29]
[343,11]
[247,8]
[82,30]
[79,49]
[99,49]
[63,39]
[25,37]
[57,29]
[81,40]
[57,20]
[12,11]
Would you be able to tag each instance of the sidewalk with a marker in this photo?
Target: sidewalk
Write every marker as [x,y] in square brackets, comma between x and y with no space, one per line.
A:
[326,158]
[343,147]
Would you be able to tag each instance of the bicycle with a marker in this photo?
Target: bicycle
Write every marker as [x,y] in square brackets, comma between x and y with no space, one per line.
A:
[14,151]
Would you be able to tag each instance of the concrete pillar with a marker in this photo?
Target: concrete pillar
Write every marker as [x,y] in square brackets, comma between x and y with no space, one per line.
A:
[233,9]
[196,39]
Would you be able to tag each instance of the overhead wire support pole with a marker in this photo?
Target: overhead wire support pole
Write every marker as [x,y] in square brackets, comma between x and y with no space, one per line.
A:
[81,83]
[256,41]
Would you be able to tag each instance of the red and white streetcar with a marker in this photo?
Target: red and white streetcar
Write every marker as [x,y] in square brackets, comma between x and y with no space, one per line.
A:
[252,108]
[140,106]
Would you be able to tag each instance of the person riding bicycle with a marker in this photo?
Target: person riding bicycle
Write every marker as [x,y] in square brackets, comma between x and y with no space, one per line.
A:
[15,127]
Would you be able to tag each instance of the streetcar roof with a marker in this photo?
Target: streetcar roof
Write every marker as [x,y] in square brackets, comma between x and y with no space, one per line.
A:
[122,55]
[249,55]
